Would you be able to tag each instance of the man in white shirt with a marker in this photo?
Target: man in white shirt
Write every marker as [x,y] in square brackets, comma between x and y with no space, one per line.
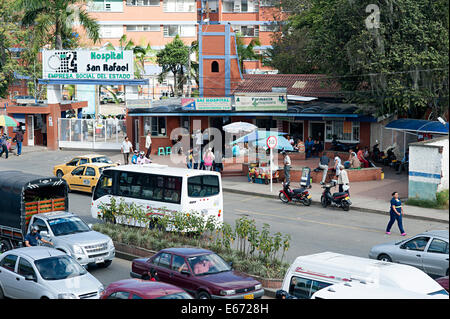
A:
[126,148]
[337,164]
[148,144]
[343,181]
[287,167]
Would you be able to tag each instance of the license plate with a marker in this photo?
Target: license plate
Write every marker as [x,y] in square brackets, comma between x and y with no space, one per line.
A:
[309,196]
[249,296]
[347,198]
[99,260]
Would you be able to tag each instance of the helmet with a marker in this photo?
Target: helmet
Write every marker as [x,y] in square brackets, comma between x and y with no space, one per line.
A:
[35,227]
[142,153]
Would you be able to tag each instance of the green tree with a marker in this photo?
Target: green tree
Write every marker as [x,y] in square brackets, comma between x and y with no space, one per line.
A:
[246,52]
[173,58]
[391,54]
[53,20]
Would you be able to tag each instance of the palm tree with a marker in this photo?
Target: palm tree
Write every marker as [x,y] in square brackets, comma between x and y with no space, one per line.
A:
[53,20]
[246,52]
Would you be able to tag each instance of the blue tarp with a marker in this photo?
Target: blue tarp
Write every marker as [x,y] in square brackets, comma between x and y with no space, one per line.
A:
[419,126]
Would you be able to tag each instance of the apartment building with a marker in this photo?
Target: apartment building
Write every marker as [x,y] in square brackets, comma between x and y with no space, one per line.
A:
[158,21]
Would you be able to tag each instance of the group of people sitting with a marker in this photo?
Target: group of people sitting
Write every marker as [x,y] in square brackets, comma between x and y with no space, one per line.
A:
[310,146]
[357,159]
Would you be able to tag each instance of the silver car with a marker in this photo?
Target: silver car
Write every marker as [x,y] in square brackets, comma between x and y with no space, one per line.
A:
[45,273]
[427,251]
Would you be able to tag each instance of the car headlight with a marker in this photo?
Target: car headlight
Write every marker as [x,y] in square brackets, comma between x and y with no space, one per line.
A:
[67,296]
[110,244]
[257,287]
[78,250]
[227,292]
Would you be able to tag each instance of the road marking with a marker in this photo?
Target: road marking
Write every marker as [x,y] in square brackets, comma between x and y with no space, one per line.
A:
[308,221]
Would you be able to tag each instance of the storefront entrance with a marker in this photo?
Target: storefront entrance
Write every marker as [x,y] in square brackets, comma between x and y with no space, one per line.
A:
[317,131]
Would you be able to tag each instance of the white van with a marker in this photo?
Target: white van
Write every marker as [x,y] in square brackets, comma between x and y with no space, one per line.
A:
[311,273]
[359,290]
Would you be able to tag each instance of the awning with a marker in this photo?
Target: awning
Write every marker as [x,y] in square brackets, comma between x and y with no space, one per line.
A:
[418,126]
[94,82]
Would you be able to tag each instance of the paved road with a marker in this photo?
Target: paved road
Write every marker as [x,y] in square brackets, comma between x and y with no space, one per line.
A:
[313,229]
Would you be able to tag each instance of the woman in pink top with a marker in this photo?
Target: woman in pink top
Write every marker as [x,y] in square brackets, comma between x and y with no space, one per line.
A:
[208,159]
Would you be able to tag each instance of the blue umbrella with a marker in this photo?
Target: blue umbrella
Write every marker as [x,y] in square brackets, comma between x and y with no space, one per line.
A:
[282,143]
[257,135]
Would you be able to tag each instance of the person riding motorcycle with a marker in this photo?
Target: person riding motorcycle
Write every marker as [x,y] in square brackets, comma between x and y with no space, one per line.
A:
[31,239]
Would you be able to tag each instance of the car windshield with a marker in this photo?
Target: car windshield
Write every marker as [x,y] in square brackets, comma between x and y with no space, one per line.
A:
[178,295]
[101,159]
[59,268]
[208,264]
[68,225]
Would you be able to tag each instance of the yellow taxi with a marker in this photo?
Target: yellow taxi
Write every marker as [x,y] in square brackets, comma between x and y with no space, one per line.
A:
[84,177]
[63,169]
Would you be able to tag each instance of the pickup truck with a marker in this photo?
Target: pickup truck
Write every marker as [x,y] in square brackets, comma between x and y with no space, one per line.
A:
[29,200]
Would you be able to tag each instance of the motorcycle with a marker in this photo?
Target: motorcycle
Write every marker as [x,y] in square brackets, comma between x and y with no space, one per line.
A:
[295,195]
[340,199]
[389,158]
[376,153]
[342,147]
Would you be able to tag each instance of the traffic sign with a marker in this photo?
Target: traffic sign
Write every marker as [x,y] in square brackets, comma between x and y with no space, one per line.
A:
[272,142]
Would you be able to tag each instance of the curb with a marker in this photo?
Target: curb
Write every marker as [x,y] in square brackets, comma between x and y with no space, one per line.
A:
[353,208]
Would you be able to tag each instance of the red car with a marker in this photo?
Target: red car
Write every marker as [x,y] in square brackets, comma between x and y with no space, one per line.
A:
[200,272]
[443,281]
[142,289]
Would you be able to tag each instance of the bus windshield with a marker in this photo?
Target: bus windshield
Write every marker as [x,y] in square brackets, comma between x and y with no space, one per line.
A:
[203,186]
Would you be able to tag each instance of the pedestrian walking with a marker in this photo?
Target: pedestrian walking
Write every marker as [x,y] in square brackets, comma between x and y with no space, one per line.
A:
[19,140]
[337,164]
[208,159]
[396,212]
[323,164]
[287,167]
[148,144]
[4,145]
[343,182]
[189,158]
[126,148]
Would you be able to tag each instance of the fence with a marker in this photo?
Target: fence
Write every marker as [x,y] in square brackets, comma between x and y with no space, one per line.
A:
[106,134]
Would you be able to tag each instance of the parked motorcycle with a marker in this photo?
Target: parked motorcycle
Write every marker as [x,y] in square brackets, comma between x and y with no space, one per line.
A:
[377,153]
[342,147]
[295,195]
[340,199]
[389,158]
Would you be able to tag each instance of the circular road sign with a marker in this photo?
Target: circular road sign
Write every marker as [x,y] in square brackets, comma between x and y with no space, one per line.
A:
[272,141]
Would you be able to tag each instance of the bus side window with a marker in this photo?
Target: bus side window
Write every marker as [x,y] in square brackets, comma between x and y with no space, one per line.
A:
[104,187]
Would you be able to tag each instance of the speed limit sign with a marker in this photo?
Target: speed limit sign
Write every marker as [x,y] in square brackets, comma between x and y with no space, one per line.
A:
[272,142]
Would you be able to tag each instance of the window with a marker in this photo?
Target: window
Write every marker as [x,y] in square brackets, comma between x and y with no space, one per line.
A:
[41,224]
[178,263]
[164,260]
[157,125]
[119,295]
[247,30]
[215,66]
[78,171]
[104,186]
[203,186]
[9,262]
[304,288]
[111,31]
[269,3]
[179,6]
[105,5]
[438,246]
[235,6]
[143,2]
[269,28]
[73,162]
[344,130]
[180,30]
[26,269]
[144,28]
[90,171]
[418,244]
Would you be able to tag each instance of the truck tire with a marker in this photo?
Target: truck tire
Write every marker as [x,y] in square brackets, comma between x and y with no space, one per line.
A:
[59,174]
[105,264]
[5,245]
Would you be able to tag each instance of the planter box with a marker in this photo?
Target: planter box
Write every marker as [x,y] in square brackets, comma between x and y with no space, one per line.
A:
[142,252]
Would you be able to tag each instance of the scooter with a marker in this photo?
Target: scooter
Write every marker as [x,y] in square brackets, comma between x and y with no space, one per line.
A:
[342,147]
[295,195]
[340,199]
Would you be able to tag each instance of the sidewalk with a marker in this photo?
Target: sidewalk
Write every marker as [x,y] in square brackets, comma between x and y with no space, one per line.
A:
[377,202]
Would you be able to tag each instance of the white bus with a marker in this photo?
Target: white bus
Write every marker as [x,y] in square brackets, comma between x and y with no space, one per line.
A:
[160,189]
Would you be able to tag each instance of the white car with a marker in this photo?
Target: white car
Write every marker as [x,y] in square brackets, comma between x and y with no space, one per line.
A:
[45,273]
